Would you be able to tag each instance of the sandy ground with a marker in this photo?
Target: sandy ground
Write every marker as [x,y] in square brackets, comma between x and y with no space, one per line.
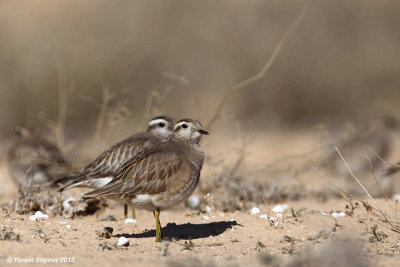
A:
[214,238]
[313,237]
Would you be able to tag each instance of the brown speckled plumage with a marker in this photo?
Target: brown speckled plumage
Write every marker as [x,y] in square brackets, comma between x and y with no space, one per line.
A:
[107,163]
[167,170]
[32,159]
[161,177]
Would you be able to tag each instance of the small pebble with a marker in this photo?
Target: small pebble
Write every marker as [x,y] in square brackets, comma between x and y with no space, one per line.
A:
[280,208]
[398,244]
[207,208]
[63,222]
[107,232]
[324,213]
[38,215]
[194,201]
[206,218]
[264,216]
[255,210]
[123,241]
[338,214]
[110,218]
[129,220]
[68,226]
[66,204]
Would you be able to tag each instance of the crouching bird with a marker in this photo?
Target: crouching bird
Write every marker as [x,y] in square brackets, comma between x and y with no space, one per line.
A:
[161,177]
[34,161]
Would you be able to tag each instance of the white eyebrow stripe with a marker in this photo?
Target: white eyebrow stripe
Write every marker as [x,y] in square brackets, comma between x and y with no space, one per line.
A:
[157,121]
[179,124]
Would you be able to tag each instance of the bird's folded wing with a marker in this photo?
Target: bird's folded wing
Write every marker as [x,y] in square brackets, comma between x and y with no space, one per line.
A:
[106,164]
[109,161]
[146,173]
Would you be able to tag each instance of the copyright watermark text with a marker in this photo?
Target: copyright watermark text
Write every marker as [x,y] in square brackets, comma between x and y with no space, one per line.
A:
[43,260]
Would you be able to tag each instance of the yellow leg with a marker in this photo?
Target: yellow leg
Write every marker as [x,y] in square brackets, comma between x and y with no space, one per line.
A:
[133,213]
[125,211]
[158,225]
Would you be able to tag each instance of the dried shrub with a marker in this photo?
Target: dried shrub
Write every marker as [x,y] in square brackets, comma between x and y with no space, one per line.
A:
[237,193]
[54,203]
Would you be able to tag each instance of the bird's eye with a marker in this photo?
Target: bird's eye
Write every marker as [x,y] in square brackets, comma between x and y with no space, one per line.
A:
[161,124]
[184,125]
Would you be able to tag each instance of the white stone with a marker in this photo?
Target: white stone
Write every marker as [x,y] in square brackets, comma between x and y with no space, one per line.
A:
[255,210]
[324,213]
[38,215]
[208,208]
[338,214]
[206,218]
[194,201]
[280,208]
[68,226]
[63,222]
[66,204]
[129,220]
[123,241]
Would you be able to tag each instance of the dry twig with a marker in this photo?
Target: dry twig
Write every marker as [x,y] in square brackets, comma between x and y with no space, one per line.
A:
[63,92]
[264,69]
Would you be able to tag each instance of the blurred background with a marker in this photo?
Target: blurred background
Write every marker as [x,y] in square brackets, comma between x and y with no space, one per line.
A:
[84,69]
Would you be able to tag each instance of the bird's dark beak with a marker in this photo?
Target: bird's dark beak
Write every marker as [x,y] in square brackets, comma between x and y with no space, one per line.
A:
[201,131]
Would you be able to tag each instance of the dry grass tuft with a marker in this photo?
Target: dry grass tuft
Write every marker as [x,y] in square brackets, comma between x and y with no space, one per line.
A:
[7,233]
[54,203]
[238,193]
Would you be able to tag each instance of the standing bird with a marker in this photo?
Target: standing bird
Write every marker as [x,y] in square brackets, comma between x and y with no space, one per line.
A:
[33,160]
[104,168]
[161,177]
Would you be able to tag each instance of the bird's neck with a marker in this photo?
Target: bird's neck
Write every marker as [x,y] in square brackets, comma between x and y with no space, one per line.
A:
[192,152]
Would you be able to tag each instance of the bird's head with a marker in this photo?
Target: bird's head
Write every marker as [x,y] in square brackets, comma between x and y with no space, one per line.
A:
[161,127]
[189,130]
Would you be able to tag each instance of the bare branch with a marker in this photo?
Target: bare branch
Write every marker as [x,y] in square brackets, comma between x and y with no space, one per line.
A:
[377,184]
[352,174]
[108,96]
[264,69]
[63,93]
[350,197]
[380,158]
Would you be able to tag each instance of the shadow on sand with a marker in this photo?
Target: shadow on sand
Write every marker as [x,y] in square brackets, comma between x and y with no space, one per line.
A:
[187,231]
